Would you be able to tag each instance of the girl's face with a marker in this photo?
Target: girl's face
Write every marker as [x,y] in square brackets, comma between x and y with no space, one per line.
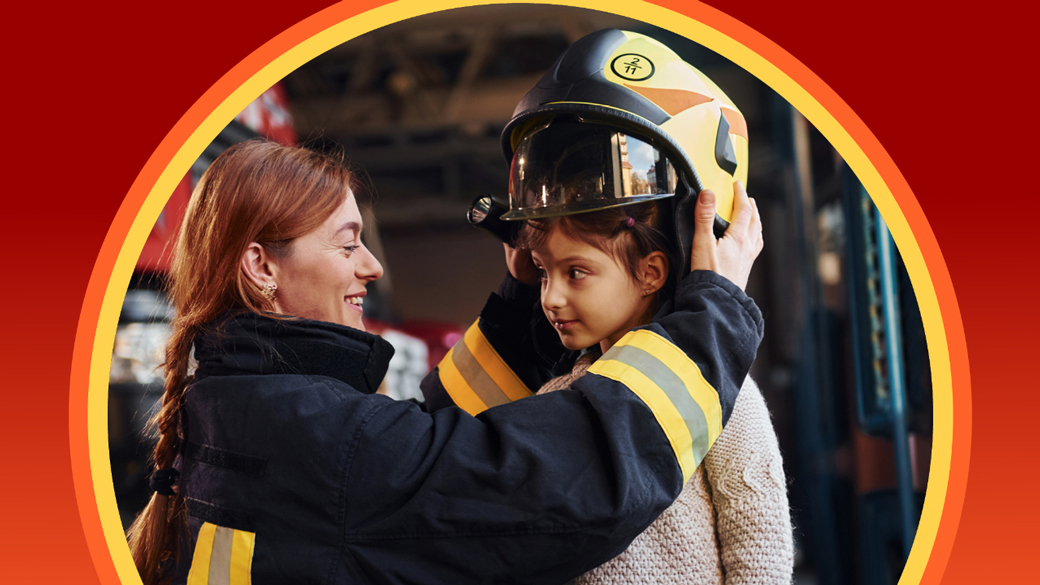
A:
[587,294]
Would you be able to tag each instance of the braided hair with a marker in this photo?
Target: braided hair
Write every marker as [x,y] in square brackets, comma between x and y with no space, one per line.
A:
[256,191]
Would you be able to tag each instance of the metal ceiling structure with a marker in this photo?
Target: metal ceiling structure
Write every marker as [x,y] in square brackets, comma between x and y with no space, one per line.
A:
[419,105]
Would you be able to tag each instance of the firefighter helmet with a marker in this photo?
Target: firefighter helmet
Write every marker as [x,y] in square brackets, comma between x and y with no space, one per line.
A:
[619,119]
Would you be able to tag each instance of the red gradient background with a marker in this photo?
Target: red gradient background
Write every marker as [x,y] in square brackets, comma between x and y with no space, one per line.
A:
[90,92]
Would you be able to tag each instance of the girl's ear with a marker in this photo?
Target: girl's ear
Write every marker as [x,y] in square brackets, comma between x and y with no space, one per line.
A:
[654,271]
[258,266]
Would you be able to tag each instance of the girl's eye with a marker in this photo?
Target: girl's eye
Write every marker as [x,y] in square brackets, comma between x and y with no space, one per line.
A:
[542,275]
[351,249]
[578,274]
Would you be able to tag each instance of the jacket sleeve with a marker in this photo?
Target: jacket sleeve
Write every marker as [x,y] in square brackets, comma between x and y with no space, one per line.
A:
[534,491]
[544,489]
[505,355]
[688,364]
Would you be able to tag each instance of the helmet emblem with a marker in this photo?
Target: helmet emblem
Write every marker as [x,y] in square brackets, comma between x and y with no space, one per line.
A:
[632,66]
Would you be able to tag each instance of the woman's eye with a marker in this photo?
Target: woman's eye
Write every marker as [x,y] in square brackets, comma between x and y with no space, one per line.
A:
[351,249]
[542,275]
[577,274]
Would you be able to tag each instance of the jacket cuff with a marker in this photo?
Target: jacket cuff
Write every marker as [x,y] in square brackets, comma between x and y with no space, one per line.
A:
[708,278]
[512,289]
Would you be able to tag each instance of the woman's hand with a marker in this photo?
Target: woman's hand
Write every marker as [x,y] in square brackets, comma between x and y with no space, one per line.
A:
[733,254]
[521,266]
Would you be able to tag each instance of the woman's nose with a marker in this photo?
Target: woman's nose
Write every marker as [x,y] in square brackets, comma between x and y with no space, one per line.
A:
[367,267]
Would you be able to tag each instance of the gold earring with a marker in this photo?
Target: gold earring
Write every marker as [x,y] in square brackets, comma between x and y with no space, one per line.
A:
[268,290]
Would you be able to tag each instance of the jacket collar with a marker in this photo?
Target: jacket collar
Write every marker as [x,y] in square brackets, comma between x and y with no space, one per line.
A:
[252,343]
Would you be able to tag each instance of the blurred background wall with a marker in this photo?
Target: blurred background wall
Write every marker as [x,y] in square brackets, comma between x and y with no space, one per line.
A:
[418,107]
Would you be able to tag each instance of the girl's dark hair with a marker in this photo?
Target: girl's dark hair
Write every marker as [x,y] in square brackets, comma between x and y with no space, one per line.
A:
[256,191]
[627,233]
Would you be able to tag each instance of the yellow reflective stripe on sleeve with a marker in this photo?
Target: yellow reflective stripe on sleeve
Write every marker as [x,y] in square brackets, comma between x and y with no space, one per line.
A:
[664,411]
[672,386]
[223,556]
[242,557]
[496,367]
[456,386]
[476,377]
[700,390]
[199,572]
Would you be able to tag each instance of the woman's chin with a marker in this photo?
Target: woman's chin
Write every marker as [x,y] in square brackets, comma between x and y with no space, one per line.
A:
[356,323]
[344,320]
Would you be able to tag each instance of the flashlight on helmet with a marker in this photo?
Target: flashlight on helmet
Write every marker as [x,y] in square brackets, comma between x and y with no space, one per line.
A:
[486,214]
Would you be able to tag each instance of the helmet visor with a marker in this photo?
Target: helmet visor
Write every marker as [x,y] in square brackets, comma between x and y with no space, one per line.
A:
[572,167]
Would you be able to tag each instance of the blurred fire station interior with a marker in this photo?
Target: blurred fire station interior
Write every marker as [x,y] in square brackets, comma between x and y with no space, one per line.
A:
[419,107]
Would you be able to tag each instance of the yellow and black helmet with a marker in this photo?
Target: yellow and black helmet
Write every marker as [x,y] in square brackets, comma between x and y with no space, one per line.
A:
[620,119]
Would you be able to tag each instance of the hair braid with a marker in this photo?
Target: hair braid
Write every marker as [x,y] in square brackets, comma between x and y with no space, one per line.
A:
[151,537]
[256,191]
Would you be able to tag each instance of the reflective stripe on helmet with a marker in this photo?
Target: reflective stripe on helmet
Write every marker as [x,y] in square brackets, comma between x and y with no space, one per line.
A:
[673,101]
[737,123]
[475,375]
[672,386]
[223,556]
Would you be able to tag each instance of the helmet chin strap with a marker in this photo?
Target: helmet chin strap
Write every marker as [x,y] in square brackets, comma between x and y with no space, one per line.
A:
[683,222]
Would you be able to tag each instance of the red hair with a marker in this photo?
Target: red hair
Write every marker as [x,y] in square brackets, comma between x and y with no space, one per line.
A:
[256,191]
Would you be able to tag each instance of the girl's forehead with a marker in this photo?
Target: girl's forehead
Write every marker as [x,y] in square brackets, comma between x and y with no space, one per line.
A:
[559,246]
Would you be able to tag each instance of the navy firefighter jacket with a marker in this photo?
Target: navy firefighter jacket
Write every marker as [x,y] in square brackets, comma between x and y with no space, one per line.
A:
[295,471]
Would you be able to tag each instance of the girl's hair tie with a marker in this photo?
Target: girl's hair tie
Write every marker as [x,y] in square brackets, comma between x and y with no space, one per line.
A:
[629,222]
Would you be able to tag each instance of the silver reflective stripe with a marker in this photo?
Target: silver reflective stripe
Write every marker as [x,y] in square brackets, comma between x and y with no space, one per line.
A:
[673,386]
[479,380]
[220,558]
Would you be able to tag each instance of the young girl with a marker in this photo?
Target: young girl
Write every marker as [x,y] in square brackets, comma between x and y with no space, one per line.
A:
[279,463]
[602,273]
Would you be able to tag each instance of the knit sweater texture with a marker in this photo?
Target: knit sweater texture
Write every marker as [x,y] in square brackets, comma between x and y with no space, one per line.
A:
[731,523]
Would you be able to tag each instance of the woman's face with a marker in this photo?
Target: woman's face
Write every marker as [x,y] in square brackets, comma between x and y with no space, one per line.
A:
[587,294]
[323,276]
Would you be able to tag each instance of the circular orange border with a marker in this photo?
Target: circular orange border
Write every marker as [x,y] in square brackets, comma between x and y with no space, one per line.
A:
[101,278]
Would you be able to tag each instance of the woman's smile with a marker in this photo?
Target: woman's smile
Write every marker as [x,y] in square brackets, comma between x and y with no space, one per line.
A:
[356,301]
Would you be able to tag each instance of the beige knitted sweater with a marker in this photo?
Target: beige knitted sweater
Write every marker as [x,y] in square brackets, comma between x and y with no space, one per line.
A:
[731,524]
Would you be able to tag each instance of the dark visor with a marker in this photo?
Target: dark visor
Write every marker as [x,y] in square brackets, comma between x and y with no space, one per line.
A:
[569,167]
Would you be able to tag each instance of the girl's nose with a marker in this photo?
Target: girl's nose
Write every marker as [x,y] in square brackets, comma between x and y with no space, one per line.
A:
[552,297]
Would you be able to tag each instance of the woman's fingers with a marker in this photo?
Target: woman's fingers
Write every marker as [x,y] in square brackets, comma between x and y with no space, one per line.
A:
[733,255]
[742,210]
[520,265]
[756,226]
[703,256]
